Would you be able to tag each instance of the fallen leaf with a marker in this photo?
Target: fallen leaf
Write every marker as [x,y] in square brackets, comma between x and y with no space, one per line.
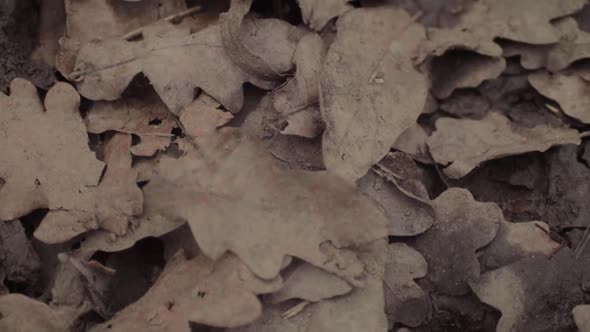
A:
[573,45]
[405,301]
[582,317]
[298,99]
[212,178]
[531,303]
[147,118]
[309,283]
[462,226]
[20,313]
[108,206]
[515,241]
[466,104]
[221,294]
[571,92]
[51,29]
[317,13]
[462,144]
[19,261]
[39,171]
[369,94]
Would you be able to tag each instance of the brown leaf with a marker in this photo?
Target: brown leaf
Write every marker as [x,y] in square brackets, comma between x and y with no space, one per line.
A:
[405,301]
[369,94]
[19,261]
[95,20]
[582,317]
[462,226]
[20,313]
[147,118]
[309,283]
[262,212]
[221,294]
[463,144]
[51,28]
[110,205]
[571,92]
[317,13]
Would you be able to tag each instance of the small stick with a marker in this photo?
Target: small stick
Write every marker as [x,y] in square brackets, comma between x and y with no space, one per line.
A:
[295,310]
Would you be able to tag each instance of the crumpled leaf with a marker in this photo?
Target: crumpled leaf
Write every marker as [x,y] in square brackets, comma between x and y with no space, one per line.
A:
[515,241]
[19,261]
[108,206]
[369,94]
[527,21]
[298,99]
[529,302]
[94,20]
[176,62]
[221,294]
[463,144]
[462,69]
[287,212]
[317,13]
[309,283]
[147,118]
[573,45]
[405,301]
[262,49]
[582,317]
[462,226]
[20,313]
[38,171]
[571,92]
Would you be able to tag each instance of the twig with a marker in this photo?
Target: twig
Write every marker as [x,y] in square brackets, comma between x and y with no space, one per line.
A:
[295,310]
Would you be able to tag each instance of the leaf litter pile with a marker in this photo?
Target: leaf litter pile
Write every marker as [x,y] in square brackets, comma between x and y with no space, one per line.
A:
[297,166]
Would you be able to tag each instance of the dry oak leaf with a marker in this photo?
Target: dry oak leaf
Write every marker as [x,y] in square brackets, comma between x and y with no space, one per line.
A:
[463,144]
[47,160]
[462,226]
[526,21]
[108,206]
[147,118]
[261,212]
[221,294]
[405,301]
[309,283]
[369,94]
[23,314]
[298,99]
[515,241]
[582,317]
[535,292]
[174,60]
[573,45]
[317,13]
[262,48]
[92,20]
[571,92]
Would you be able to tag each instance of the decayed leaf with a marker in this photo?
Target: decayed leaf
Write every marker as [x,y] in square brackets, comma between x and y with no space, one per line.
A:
[462,69]
[298,99]
[221,294]
[93,20]
[536,292]
[465,143]
[19,261]
[369,94]
[262,212]
[582,317]
[573,45]
[527,21]
[21,314]
[310,283]
[108,206]
[405,301]
[571,92]
[48,162]
[262,49]
[147,118]
[462,226]
[317,13]
[515,241]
